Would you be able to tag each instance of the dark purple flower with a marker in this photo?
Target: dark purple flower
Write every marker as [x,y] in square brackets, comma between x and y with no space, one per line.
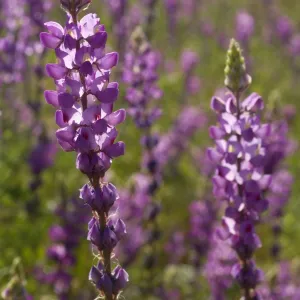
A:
[84,101]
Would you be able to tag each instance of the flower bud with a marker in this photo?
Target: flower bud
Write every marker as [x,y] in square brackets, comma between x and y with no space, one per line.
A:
[236,78]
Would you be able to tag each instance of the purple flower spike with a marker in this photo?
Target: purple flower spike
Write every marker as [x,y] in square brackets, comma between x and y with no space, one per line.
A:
[84,102]
[240,154]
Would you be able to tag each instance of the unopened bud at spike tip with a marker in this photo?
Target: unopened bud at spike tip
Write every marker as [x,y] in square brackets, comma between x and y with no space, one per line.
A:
[75,5]
[139,40]
[236,77]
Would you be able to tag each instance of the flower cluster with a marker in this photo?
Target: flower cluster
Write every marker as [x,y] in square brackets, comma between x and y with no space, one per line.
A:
[202,219]
[176,140]
[284,287]
[65,239]
[279,147]
[284,28]
[189,61]
[239,177]
[286,33]
[140,74]
[40,158]
[13,43]
[84,101]
[20,21]
[133,206]
[177,246]
[217,269]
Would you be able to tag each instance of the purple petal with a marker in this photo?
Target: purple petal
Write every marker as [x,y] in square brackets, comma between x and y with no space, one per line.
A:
[109,61]
[66,100]
[258,161]
[66,146]
[248,134]
[231,106]
[110,94]
[253,103]
[55,28]
[100,126]
[116,117]
[115,150]
[121,279]
[63,117]
[214,155]
[120,229]
[49,40]
[66,134]
[60,119]
[86,193]
[95,275]
[56,71]
[264,131]
[265,181]
[86,68]
[217,104]
[106,109]
[76,87]
[216,132]
[51,98]
[92,114]
[98,40]
[219,182]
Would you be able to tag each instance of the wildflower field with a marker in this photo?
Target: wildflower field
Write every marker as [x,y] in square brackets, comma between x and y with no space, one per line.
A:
[149,149]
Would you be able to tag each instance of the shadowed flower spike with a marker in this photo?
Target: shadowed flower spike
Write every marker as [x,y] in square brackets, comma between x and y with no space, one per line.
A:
[140,73]
[84,101]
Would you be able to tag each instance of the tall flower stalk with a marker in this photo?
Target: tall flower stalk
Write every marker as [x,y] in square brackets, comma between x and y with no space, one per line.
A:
[140,73]
[239,177]
[84,102]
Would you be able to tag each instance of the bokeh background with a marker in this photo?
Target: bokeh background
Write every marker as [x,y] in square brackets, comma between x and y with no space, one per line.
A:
[39,182]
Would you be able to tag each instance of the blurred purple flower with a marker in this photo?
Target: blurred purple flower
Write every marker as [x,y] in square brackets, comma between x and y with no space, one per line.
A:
[244,26]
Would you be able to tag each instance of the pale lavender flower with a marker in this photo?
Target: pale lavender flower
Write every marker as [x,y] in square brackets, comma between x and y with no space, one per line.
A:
[240,153]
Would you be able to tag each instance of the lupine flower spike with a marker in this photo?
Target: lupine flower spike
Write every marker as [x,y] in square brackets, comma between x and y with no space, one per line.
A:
[239,177]
[84,102]
[140,73]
